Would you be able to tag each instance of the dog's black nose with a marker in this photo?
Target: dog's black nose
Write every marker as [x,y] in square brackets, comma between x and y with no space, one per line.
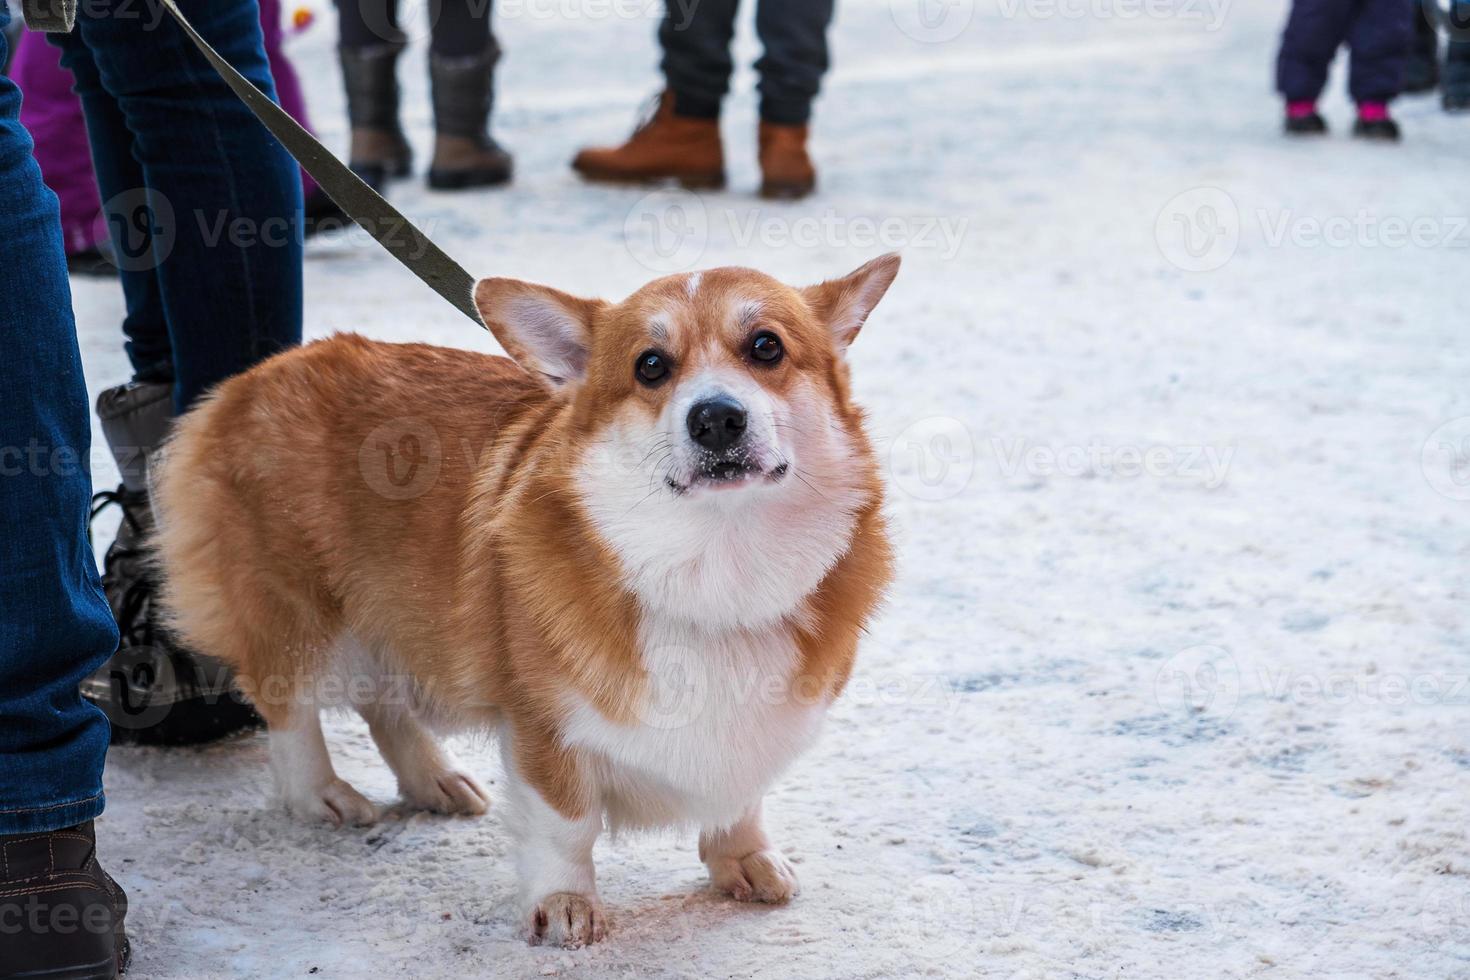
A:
[717,423]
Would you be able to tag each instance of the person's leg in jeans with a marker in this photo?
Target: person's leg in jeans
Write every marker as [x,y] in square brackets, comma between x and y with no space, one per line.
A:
[462,60]
[224,245]
[55,627]
[205,211]
[53,116]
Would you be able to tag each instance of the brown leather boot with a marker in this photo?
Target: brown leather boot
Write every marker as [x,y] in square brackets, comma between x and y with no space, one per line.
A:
[61,915]
[667,146]
[787,172]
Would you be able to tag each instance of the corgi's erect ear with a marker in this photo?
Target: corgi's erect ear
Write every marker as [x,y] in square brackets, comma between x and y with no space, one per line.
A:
[546,331]
[844,304]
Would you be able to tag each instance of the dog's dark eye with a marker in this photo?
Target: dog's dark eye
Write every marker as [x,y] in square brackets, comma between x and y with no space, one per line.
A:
[766,347]
[652,368]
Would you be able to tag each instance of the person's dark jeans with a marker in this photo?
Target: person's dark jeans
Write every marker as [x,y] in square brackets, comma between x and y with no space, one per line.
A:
[696,35]
[203,205]
[55,628]
[1377,32]
[459,28]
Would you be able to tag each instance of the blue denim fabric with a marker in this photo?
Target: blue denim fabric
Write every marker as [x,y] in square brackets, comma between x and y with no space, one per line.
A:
[203,205]
[55,627]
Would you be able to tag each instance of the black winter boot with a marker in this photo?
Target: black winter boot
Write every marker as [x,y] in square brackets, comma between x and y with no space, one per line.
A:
[379,149]
[465,154]
[61,915]
[152,690]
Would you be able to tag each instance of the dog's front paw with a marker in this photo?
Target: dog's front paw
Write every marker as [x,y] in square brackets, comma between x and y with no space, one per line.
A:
[336,803]
[568,920]
[763,876]
[448,792]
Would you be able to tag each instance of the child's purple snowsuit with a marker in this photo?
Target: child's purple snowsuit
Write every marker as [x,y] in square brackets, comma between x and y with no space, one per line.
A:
[1377,32]
[53,114]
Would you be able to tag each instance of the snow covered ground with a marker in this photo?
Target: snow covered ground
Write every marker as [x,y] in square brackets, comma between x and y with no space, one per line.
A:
[1176,679]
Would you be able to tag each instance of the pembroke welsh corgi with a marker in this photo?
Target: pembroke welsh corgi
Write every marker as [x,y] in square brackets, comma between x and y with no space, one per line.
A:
[641,553]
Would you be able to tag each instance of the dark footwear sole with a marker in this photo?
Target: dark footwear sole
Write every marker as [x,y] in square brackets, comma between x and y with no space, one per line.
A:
[195,721]
[773,191]
[459,180]
[104,970]
[690,182]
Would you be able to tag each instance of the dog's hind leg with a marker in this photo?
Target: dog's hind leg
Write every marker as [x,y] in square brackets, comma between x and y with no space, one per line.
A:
[429,777]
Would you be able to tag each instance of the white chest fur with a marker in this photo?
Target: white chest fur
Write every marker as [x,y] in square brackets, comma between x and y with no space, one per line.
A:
[720,722]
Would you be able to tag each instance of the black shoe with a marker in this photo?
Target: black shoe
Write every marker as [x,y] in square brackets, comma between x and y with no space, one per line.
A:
[61,915]
[1456,103]
[1308,125]
[1377,130]
[93,263]
[154,691]
[323,215]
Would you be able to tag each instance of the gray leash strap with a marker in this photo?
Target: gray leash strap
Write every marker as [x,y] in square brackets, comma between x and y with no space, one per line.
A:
[362,204]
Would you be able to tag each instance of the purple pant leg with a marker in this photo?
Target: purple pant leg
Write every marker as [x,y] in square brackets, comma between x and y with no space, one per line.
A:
[288,86]
[53,114]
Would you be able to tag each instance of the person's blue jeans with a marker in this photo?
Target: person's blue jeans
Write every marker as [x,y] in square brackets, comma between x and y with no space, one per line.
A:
[203,205]
[55,627]
[206,210]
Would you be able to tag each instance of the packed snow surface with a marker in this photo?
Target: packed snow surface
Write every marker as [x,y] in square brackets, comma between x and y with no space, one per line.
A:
[1173,682]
